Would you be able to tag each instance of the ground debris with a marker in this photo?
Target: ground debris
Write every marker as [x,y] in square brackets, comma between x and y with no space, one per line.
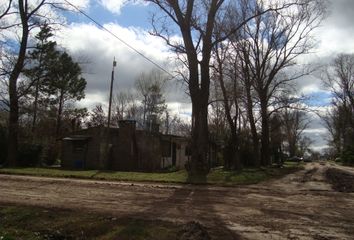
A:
[193,231]
[320,237]
[308,174]
[341,181]
[55,235]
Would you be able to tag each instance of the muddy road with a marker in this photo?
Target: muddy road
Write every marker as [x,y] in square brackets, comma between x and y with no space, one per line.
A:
[302,205]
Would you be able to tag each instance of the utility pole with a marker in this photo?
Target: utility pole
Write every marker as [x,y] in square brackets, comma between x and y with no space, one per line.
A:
[110,93]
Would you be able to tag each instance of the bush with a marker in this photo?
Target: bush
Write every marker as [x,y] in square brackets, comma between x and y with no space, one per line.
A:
[29,154]
[50,154]
[348,156]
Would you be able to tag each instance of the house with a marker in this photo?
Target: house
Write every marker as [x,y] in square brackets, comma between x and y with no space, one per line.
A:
[123,149]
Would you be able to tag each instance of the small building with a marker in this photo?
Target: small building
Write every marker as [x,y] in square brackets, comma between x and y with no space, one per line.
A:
[123,149]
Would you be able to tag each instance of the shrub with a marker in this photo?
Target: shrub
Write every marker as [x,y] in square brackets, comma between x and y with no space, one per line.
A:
[29,154]
[348,156]
[50,154]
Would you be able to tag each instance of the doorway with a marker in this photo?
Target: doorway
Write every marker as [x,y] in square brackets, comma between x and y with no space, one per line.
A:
[174,154]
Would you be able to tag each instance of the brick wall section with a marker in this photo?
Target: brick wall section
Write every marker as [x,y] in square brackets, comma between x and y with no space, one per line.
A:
[149,151]
[123,149]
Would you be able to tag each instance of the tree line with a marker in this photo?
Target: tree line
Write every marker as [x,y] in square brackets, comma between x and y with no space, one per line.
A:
[41,82]
[39,102]
[146,104]
[339,118]
[239,62]
[238,59]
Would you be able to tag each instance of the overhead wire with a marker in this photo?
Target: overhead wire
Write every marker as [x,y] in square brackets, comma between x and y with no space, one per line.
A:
[121,40]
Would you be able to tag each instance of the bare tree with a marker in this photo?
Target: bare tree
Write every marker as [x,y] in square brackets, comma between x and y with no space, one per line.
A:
[5,9]
[274,40]
[294,123]
[341,81]
[121,103]
[97,117]
[180,127]
[150,87]
[250,100]
[333,122]
[339,121]
[31,14]
[227,78]
[195,20]
[218,126]
[27,15]
[304,145]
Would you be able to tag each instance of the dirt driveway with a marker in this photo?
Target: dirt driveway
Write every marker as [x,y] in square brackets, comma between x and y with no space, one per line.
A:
[299,206]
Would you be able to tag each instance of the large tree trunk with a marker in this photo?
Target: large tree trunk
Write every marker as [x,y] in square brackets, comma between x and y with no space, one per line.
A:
[252,122]
[265,153]
[199,162]
[249,107]
[235,154]
[13,116]
[232,159]
[199,90]
[13,125]
[292,147]
[231,156]
[60,111]
[35,108]
[200,134]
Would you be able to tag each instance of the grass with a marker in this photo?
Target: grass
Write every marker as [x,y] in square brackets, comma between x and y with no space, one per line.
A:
[23,222]
[216,176]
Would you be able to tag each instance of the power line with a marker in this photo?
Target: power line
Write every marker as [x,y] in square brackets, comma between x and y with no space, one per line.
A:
[121,40]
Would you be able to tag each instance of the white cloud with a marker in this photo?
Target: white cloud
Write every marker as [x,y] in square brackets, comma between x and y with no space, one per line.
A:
[335,40]
[316,131]
[115,6]
[319,148]
[99,47]
[184,110]
[311,88]
[82,4]
[337,32]
[92,99]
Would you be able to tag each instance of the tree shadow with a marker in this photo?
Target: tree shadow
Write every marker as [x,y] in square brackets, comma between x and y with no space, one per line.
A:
[189,203]
[197,179]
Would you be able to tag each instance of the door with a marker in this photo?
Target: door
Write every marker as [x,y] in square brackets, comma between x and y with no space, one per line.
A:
[174,154]
[79,154]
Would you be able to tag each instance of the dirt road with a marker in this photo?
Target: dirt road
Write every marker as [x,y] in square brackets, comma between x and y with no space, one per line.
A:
[299,206]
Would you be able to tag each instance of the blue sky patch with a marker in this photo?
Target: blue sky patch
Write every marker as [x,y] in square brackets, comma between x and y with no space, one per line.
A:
[319,99]
[131,15]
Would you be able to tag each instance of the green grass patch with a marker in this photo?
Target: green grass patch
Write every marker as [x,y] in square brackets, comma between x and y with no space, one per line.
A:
[216,176]
[250,175]
[21,222]
[50,172]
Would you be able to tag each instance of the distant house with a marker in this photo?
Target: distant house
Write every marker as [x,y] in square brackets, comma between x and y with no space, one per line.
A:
[123,149]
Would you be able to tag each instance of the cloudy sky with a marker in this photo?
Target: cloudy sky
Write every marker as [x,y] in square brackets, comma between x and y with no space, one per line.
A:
[130,21]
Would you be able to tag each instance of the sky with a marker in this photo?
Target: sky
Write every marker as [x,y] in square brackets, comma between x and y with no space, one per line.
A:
[131,21]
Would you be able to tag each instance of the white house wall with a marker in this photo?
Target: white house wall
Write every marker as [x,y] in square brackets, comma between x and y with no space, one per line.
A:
[181,158]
